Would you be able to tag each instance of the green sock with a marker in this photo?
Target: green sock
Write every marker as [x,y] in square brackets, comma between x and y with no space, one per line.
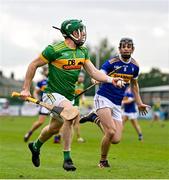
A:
[66,155]
[37,144]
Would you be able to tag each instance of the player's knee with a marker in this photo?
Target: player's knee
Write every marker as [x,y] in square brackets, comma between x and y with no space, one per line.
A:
[110,133]
[115,141]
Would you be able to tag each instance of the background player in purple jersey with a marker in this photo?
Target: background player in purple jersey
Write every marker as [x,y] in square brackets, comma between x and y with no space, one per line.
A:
[130,112]
[108,99]
[43,112]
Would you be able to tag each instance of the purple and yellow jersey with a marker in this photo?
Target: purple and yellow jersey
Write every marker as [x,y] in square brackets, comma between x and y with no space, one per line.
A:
[129,71]
[129,107]
[64,67]
[41,85]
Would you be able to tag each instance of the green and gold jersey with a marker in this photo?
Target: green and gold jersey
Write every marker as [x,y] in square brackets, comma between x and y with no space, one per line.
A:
[64,67]
[156,106]
[79,87]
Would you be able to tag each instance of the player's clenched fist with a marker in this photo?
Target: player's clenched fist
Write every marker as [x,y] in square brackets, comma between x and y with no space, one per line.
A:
[118,82]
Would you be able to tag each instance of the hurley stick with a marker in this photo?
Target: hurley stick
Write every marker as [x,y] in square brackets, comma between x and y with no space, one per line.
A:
[65,113]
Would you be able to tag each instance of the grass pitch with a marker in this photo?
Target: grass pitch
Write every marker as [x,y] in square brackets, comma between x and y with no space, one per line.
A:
[129,159]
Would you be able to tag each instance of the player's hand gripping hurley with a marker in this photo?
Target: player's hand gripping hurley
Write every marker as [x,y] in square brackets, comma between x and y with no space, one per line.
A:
[65,113]
[97,82]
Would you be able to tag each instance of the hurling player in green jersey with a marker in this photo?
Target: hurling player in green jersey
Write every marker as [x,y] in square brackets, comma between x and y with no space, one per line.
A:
[65,60]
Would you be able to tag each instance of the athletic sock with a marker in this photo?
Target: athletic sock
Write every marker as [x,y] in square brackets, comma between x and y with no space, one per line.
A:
[103,157]
[66,155]
[96,120]
[140,137]
[37,145]
[30,132]
[140,134]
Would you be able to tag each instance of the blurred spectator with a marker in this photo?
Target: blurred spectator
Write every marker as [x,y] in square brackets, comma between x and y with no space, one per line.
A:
[156,111]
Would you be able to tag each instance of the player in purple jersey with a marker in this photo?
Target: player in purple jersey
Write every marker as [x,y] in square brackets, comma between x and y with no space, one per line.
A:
[130,112]
[108,99]
[43,112]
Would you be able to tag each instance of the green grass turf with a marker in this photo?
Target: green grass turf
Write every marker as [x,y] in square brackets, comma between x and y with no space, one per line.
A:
[129,159]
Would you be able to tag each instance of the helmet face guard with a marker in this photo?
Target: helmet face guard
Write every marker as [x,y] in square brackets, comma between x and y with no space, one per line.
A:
[75,30]
[79,36]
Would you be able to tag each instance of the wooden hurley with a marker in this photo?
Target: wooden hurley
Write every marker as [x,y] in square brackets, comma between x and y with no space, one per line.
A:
[65,113]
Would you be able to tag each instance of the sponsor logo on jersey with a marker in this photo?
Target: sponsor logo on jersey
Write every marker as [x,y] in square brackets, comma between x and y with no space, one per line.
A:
[126,77]
[69,64]
[72,65]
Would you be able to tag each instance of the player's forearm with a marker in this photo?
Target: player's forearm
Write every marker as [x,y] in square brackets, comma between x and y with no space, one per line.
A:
[100,76]
[96,74]
[135,90]
[29,76]
[31,72]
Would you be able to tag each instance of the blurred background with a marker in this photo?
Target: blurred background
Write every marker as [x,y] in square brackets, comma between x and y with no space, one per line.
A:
[26,29]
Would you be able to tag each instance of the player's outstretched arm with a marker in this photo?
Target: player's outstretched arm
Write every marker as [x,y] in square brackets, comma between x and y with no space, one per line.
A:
[29,76]
[99,75]
[143,108]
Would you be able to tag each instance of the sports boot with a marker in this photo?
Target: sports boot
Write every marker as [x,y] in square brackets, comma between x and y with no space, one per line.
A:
[88,118]
[35,155]
[68,165]
[103,164]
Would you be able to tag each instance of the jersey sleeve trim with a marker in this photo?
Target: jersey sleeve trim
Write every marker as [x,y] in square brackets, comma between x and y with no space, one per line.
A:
[87,60]
[134,62]
[113,60]
[43,58]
